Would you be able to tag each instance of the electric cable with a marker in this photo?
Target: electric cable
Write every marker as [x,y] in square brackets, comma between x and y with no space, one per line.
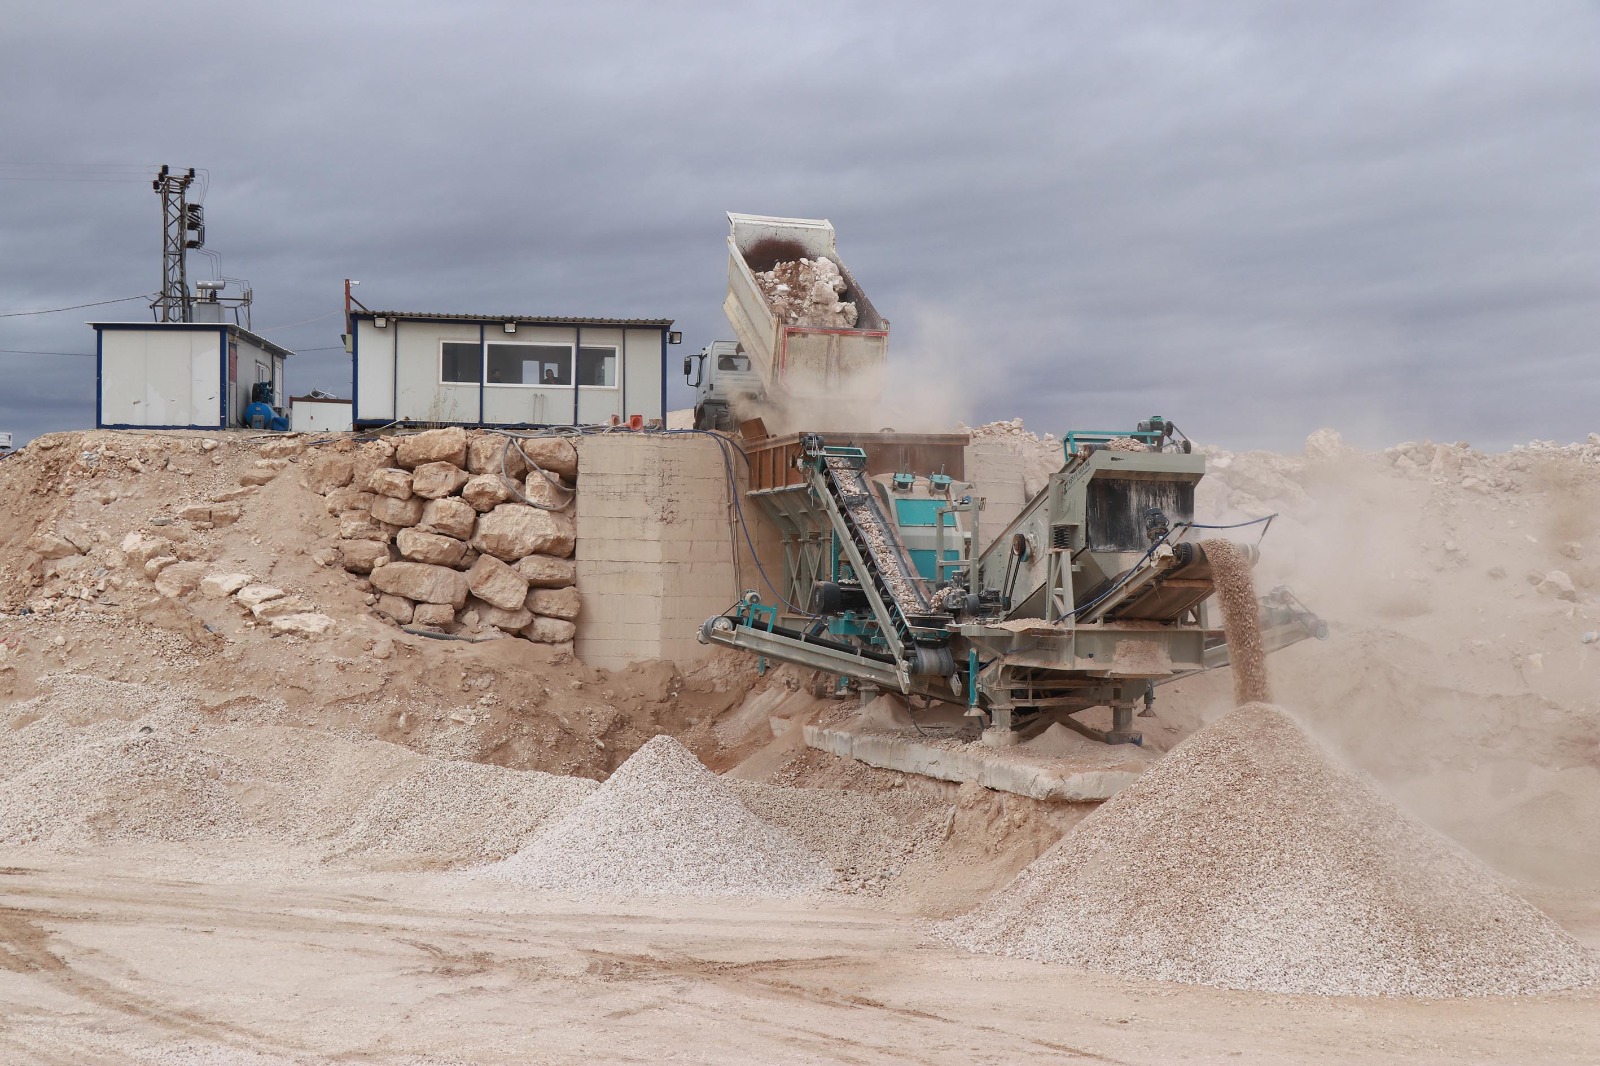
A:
[73,307]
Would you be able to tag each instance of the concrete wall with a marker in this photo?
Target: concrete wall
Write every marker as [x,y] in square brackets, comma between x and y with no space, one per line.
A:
[996,474]
[154,377]
[398,376]
[656,555]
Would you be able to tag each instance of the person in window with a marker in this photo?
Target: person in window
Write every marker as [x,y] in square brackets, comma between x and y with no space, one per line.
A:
[496,378]
[550,376]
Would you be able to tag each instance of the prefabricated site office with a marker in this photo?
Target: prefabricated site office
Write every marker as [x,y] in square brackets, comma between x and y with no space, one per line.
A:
[180,375]
[497,370]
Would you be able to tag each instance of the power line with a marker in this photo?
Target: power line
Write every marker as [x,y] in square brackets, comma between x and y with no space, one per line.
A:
[74,307]
[20,351]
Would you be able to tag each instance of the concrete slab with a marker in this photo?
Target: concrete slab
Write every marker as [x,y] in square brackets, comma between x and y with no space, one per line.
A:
[1057,765]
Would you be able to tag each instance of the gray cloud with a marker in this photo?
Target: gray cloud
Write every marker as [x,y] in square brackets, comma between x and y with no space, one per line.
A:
[1254,218]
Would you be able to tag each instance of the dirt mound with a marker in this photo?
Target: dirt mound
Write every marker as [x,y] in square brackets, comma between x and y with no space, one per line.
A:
[664,825]
[1247,859]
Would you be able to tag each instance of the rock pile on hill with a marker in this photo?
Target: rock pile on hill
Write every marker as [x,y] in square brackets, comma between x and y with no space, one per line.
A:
[1248,859]
[458,529]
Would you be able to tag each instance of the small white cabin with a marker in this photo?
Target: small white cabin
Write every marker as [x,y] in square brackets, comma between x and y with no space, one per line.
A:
[180,375]
[507,370]
[319,414]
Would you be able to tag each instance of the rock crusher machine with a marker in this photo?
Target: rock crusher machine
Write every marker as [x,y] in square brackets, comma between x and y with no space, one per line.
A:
[1094,594]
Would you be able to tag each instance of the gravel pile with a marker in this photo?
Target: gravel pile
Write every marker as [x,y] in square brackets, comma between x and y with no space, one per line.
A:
[450,812]
[664,825]
[99,787]
[1246,859]
[866,838]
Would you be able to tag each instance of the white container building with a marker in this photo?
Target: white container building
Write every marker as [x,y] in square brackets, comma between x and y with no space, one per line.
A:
[180,375]
[506,370]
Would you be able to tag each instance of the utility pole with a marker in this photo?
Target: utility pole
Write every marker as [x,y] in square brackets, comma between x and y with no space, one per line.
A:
[179,219]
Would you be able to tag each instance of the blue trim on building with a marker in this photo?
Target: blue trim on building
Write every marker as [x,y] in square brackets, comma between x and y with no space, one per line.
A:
[99,378]
[127,425]
[663,379]
[355,362]
[483,355]
[222,374]
[394,373]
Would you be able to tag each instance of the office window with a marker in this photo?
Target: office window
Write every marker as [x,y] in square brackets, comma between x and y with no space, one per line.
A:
[597,366]
[460,361]
[530,364]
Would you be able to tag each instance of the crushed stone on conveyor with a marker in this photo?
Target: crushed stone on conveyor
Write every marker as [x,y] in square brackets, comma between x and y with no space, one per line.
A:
[856,497]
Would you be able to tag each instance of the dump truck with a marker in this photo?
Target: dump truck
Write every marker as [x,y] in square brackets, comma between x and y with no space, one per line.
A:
[820,374]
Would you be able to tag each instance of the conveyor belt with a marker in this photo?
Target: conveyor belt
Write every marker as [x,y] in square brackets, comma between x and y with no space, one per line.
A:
[889,569]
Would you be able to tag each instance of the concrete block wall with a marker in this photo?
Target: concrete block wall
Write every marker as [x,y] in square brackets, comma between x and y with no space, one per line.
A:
[656,554]
[997,474]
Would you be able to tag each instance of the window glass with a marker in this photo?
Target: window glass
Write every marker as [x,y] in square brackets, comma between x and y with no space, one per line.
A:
[530,364]
[459,361]
[597,366]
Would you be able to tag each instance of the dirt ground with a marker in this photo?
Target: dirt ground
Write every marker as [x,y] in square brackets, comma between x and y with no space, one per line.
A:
[1457,673]
[135,956]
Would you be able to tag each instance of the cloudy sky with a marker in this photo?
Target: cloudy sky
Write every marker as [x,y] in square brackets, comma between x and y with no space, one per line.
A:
[1254,218]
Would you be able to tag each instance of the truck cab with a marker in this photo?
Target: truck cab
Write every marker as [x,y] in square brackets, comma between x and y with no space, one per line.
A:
[724,381]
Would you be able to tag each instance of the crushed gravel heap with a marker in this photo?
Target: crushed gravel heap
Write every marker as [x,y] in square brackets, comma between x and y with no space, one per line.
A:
[1247,859]
[92,761]
[867,838]
[460,811]
[808,292]
[664,825]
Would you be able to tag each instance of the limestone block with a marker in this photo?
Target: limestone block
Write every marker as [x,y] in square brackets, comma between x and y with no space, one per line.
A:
[433,614]
[490,615]
[262,471]
[1556,583]
[302,625]
[50,546]
[432,446]
[221,586]
[550,631]
[395,512]
[252,596]
[548,572]
[328,471]
[282,447]
[397,608]
[363,556]
[360,525]
[140,548]
[539,490]
[229,495]
[448,517]
[429,547]
[485,492]
[79,537]
[434,480]
[494,582]
[390,481]
[422,582]
[555,454]
[155,564]
[484,452]
[350,498]
[555,603]
[180,579]
[279,607]
[513,530]
[217,514]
